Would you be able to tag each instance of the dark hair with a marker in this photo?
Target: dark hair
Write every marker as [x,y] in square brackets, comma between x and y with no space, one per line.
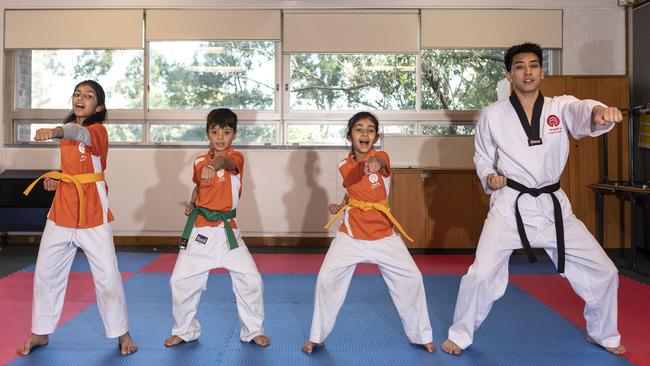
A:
[97,117]
[522,48]
[359,116]
[222,117]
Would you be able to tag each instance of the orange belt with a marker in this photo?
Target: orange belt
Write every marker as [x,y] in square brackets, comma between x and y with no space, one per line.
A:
[365,206]
[77,180]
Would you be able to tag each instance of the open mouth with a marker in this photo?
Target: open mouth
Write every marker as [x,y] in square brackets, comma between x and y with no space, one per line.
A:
[364,142]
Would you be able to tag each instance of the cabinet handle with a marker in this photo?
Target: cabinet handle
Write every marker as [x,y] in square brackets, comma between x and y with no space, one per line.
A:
[424,177]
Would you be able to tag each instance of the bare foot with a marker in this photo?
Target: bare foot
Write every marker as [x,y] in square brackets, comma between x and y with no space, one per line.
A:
[173,340]
[430,347]
[32,342]
[262,340]
[309,346]
[620,350]
[451,348]
[126,344]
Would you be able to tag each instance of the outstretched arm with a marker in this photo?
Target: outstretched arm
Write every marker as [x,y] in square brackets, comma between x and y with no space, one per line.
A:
[588,117]
[374,164]
[208,172]
[605,116]
[69,131]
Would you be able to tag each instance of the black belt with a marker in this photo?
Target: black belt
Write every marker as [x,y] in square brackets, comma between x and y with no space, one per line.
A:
[557,212]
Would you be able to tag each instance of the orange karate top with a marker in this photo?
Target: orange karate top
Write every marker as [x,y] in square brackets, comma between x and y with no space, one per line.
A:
[77,158]
[371,224]
[222,192]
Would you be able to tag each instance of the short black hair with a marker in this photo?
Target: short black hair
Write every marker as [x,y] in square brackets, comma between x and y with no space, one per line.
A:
[522,48]
[359,116]
[222,117]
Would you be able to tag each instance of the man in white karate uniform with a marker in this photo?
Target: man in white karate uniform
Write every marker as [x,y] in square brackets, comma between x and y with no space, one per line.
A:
[522,146]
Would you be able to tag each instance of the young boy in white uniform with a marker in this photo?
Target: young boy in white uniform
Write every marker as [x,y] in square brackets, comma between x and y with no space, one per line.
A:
[211,239]
[522,147]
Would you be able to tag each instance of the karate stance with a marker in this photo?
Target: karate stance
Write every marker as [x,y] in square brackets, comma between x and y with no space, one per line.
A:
[522,147]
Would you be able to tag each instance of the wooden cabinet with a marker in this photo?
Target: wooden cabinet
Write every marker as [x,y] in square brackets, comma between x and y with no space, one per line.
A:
[439,208]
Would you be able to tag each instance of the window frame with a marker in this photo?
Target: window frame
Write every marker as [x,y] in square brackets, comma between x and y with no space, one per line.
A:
[281,116]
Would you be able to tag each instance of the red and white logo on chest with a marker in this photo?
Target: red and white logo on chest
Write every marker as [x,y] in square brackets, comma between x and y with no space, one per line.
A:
[554,124]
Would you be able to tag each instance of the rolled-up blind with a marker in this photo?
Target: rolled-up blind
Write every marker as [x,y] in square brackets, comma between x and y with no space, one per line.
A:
[74,29]
[350,31]
[490,28]
[171,25]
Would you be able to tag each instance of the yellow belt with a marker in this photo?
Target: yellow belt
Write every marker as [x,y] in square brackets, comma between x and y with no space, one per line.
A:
[365,206]
[77,180]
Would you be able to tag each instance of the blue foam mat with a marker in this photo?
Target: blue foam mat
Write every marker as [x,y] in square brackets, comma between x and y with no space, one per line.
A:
[519,331]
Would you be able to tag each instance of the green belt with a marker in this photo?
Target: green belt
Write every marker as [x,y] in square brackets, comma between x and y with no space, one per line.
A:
[211,216]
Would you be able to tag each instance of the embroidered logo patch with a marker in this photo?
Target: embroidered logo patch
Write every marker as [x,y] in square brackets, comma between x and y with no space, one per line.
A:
[553,123]
[201,239]
[374,180]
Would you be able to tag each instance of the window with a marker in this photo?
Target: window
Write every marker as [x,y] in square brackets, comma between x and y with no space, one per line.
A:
[448,129]
[161,84]
[117,133]
[326,82]
[45,79]
[464,79]
[204,75]
[247,133]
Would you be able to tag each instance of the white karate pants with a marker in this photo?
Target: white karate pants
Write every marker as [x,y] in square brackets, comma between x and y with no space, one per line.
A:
[57,251]
[190,278]
[590,272]
[398,269]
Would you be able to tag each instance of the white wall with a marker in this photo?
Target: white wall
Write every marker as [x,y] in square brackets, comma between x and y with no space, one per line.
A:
[286,190]
[593,42]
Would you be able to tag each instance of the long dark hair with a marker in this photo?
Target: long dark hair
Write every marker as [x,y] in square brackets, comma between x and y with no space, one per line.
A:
[97,117]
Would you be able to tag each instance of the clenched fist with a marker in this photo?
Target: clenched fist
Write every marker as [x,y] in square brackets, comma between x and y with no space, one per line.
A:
[496,182]
[602,115]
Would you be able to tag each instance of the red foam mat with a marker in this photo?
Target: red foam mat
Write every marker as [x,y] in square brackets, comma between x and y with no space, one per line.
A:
[310,264]
[16,306]
[633,309]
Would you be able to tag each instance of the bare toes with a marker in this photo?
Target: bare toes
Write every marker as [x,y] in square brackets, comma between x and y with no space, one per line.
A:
[262,340]
[620,350]
[430,347]
[451,348]
[173,340]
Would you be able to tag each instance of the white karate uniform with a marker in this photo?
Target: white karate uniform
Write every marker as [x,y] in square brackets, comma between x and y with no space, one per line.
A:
[190,278]
[502,147]
[57,251]
[398,269]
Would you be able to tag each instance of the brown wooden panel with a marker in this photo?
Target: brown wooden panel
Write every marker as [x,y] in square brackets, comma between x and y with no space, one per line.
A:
[408,203]
[479,203]
[553,86]
[448,225]
[613,91]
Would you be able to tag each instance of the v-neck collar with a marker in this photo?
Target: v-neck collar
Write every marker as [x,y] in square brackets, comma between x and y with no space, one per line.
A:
[530,127]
